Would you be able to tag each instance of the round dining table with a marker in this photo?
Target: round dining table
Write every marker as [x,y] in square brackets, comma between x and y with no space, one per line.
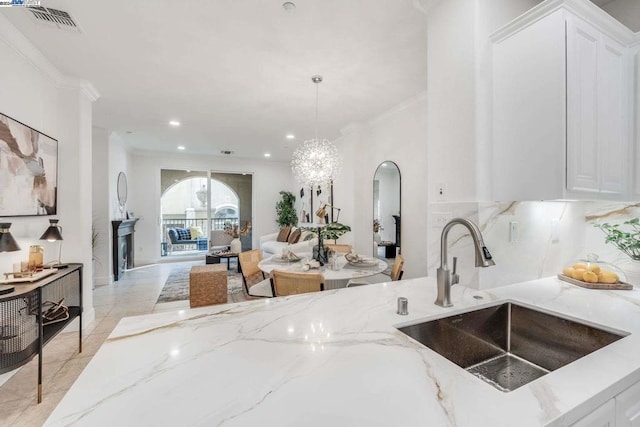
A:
[334,278]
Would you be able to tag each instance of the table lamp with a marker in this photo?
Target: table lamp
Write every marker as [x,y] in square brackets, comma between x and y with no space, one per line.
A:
[52,234]
[7,244]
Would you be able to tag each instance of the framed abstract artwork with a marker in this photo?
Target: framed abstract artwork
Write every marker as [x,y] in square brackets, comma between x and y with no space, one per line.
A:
[28,170]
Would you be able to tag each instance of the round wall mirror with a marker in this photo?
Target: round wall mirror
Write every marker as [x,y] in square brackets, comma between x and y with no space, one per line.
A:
[122,189]
[386,210]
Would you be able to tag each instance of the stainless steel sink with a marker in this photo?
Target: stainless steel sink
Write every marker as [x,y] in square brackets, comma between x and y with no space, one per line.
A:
[509,345]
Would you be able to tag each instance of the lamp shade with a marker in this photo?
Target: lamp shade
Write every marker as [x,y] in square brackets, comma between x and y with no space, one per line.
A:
[7,242]
[52,233]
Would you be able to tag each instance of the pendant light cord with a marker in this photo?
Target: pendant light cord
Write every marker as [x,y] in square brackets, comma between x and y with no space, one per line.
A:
[317,109]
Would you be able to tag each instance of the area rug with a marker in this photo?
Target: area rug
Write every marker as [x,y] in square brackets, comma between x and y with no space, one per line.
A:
[176,288]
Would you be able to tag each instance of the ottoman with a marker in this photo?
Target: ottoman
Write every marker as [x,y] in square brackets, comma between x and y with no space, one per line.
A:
[207,285]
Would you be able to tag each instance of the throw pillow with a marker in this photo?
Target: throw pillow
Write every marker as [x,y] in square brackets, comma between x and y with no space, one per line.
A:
[308,236]
[294,236]
[183,234]
[283,236]
[195,232]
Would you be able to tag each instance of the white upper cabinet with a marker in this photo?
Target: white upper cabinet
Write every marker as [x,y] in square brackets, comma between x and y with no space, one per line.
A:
[562,108]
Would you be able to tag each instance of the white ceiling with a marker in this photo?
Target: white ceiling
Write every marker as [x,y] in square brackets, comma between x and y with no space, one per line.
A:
[237,73]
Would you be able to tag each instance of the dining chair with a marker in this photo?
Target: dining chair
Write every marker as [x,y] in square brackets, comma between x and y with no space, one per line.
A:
[396,274]
[339,248]
[290,283]
[255,282]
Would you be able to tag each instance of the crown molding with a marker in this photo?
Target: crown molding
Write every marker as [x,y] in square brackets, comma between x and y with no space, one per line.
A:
[14,39]
[584,9]
[416,99]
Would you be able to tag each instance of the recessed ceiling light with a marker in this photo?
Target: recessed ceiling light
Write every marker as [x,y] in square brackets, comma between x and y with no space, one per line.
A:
[267,154]
[174,123]
[181,147]
[291,136]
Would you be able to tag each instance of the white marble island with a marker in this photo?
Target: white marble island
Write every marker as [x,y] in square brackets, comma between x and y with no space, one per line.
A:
[335,358]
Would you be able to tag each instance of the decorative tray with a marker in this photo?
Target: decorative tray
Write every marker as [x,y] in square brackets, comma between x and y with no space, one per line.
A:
[31,278]
[622,286]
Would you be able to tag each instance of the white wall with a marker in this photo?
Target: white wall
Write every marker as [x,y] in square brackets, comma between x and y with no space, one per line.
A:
[625,11]
[269,178]
[451,96]
[119,161]
[102,273]
[35,93]
[399,136]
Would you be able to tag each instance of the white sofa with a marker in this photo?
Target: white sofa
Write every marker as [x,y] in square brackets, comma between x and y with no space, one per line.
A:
[269,246]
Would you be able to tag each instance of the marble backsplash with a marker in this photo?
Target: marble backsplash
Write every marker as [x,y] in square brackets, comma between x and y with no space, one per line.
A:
[549,237]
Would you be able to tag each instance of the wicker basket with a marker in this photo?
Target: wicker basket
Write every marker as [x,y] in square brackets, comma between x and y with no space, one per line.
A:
[207,285]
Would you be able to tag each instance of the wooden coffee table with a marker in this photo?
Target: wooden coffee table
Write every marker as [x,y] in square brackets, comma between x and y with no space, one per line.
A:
[214,258]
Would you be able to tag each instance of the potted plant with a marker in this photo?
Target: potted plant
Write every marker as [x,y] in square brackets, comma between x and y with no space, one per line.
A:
[627,241]
[377,227]
[236,232]
[286,215]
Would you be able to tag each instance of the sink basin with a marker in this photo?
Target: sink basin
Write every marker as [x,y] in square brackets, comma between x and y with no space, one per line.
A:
[509,345]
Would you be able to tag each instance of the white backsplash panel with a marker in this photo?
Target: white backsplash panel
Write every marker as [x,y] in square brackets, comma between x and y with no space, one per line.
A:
[548,237]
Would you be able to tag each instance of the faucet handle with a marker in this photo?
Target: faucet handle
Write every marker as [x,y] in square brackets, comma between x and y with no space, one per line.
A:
[454,276]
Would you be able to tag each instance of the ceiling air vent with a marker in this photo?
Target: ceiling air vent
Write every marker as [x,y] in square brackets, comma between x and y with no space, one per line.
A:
[54,18]
[226,152]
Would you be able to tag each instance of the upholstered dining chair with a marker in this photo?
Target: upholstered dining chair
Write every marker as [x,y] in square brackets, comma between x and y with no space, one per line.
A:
[339,248]
[396,274]
[290,283]
[255,283]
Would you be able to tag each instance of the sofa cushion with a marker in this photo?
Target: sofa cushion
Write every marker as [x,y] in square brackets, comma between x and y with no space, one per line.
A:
[195,232]
[183,234]
[273,247]
[283,235]
[173,235]
[294,236]
[308,235]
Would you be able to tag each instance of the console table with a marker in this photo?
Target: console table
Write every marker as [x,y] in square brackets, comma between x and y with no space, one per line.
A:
[23,333]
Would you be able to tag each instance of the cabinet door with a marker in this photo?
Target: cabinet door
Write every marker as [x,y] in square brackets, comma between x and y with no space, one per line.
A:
[613,108]
[582,106]
[604,416]
[529,112]
[628,407]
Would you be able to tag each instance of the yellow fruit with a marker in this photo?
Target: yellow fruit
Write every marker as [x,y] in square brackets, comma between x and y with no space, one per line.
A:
[578,273]
[568,271]
[580,266]
[606,276]
[590,276]
[595,268]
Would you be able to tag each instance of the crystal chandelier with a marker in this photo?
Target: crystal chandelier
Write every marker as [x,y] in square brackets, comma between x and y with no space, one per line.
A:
[316,161]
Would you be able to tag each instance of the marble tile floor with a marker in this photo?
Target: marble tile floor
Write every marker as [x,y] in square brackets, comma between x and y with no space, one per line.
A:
[135,294]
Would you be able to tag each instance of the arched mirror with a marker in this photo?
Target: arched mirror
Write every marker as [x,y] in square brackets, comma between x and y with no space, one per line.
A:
[122,189]
[386,210]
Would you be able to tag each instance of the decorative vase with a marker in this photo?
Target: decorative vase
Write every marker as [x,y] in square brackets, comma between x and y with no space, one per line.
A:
[377,238]
[320,251]
[236,246]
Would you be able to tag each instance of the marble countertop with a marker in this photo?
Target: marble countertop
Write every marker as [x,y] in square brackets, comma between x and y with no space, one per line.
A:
[335,358]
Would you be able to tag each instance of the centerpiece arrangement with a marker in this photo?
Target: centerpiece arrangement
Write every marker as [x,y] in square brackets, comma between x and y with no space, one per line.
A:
[331,231]
[235,231]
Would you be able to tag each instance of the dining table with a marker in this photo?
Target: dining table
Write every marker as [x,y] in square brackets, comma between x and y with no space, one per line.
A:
[336,275]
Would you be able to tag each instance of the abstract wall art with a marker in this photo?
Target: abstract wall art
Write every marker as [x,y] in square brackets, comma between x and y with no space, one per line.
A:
[28,170]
